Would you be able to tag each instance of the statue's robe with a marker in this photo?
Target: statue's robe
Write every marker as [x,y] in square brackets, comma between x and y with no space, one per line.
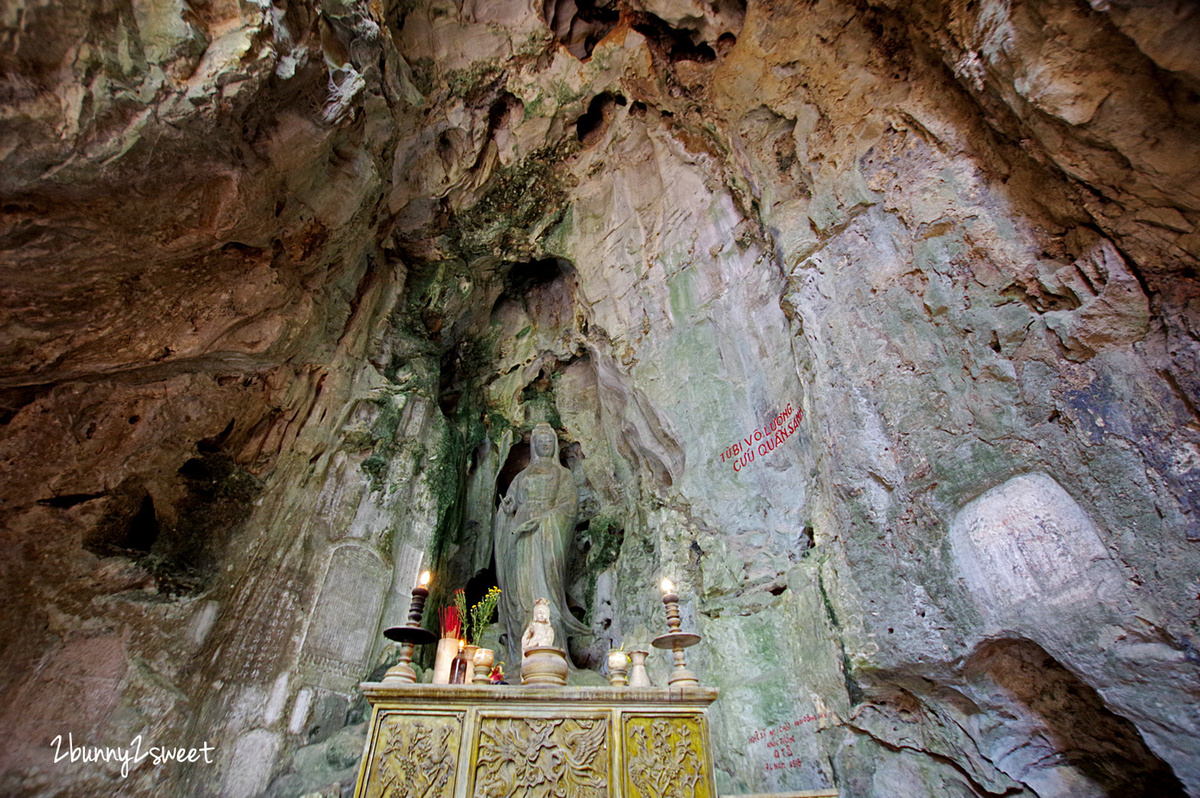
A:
[533,565]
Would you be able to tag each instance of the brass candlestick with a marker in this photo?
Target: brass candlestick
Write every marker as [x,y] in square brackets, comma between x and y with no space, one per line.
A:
[409,636]
[676,640]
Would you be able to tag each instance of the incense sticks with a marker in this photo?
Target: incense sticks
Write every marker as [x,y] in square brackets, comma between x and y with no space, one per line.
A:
[451,622]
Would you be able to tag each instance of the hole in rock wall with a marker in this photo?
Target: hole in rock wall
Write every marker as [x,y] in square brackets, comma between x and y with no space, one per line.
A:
[179,538]
[1089,737]
[572,456]
[130,524]
[590,127]
[580,24]
[143,528]
[13,399]
[994,344]
[545,289]
[524,277]
[69,499]
[674,44]
[479,584]
[218,495]
[518,458]
[477,587]
[503,111]
[449,392]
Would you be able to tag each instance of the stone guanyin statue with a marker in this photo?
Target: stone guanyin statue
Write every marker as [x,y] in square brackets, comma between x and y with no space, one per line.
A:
[532,535]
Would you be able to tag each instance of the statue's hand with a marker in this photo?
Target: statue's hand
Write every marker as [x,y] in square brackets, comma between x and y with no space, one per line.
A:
[526,528]
[508,504]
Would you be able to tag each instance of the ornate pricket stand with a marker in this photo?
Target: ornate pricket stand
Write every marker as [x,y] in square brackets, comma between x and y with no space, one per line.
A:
[676,640]
[409,636]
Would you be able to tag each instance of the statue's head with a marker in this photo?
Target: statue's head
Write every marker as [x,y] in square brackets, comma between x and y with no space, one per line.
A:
[541,610]
[543,441]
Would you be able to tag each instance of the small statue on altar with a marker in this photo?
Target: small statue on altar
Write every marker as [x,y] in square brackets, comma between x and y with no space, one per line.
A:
[542,665]
[539,633]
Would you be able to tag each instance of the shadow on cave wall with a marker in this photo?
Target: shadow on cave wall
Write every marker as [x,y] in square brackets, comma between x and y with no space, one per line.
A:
[181,539]
[1087,736]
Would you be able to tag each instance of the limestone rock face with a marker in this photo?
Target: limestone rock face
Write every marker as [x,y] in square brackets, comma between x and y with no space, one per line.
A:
[874,326]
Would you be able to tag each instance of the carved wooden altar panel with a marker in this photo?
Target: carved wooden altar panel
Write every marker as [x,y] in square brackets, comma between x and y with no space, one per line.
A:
[519,742]
[542,757]
[667,756]
[413,755]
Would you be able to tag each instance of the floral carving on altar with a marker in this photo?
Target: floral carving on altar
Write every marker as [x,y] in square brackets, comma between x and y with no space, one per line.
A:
[665,758]
[418,757]
[542,758]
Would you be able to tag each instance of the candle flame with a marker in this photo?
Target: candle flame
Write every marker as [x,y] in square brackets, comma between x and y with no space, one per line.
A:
[667,587]
[425,577]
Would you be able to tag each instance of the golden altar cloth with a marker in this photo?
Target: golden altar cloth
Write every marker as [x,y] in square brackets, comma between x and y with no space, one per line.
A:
[467,741]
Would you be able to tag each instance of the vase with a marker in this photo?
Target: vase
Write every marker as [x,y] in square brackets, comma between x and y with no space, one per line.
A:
[618,665]
[447,650]
[544,666]
[484,659]
[637,669]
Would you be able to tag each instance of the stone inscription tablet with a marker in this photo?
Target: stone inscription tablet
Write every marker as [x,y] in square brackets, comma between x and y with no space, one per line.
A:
[339,638]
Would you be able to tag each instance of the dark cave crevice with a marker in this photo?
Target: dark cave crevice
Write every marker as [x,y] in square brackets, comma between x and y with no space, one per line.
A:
[129,526]
[1105,747]
[591,126]
[522,278]
[67,500]
[580,24]
[672,43]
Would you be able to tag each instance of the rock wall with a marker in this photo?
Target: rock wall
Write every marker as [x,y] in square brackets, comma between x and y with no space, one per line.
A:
[873,325]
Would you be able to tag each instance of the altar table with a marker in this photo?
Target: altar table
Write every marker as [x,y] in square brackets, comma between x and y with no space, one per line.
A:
[468,741]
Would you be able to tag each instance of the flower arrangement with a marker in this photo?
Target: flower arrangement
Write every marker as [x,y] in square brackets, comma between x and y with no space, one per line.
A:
[481,613]
[460,606]
[458,622]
